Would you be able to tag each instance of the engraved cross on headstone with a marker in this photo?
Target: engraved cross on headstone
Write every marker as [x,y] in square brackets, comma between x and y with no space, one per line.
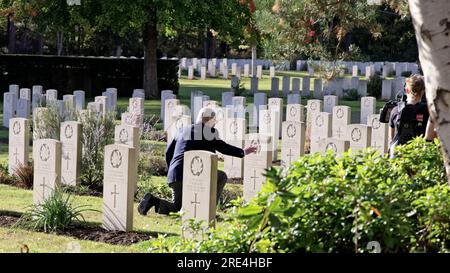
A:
[290,155]
[254,177]
[195,203]
[375,146]
[67,158]
[340,132]
[115,193]
[16,154]
[43,188]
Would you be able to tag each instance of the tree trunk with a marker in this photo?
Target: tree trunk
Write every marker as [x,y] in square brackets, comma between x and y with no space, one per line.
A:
[11,36]
[432,25]
[150,58]
[254,61]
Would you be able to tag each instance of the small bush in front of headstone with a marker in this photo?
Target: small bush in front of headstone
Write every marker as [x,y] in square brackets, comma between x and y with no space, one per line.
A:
[24,175]
[151,165]
[230,193]
[98,131]
[150,132]
[157,188]
[351,94]
[406,74]
[5,178]
[47,124]
[56,213]
[374,85]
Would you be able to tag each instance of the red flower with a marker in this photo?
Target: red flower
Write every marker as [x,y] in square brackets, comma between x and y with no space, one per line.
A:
[311,33]
[252,6]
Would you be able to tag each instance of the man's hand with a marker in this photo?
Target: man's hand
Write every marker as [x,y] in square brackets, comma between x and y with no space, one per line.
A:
[250,149]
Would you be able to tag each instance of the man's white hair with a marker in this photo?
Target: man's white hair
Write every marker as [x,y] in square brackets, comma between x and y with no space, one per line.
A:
[205,114]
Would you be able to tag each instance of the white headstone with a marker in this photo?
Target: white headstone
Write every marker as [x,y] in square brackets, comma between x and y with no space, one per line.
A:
[295,112]
[341,119]
[233,166]
[70,136]
[329,102]
[25,93]
[51,95]
[268,125]
[259,69]
[320,128]
[18,146]
[47,168]
[23,108]
[337,146]
[199,188]
[313,107]
[368,107]
[380,134]
[79,99]
[386,90]
[165,94]
[120,176]
[190,73]
[9,107]
[103,100]
[293,142]
[359,136]
[255,164]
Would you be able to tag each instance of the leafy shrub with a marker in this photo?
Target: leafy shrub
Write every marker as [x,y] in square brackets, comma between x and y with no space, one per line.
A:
[158,188]
[351,94]
[230,193]
[375,85]
[406,74]
[24,176]
[98,131]
[5,178]
[149,131]
[152,165]
[56,213]
[47,123]
[329,204]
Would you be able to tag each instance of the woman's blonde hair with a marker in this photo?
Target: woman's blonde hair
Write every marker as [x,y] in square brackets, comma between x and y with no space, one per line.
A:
[416,85]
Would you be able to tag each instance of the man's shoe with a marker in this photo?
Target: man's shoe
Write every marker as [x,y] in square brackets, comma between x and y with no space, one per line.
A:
[147,203]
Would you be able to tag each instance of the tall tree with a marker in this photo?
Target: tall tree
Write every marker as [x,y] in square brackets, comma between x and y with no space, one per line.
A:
[432,25]
[162,17]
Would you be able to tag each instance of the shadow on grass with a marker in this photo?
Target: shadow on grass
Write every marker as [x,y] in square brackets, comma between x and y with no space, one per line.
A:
[88,231]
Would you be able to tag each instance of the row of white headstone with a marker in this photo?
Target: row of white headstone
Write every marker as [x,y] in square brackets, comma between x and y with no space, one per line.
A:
[58,162]
[21,102]
[210,71]
[366,69]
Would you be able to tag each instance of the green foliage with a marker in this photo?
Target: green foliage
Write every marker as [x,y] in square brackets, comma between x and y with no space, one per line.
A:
[152,165]
[374,85]
[47,123]
[351,94]
[158,188]
[24,176]
[406,74]
[5,178]
[330,204]
[98,131]
[56,213]
[312,28]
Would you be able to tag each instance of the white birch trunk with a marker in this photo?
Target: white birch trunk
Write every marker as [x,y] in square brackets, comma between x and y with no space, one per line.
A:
[431,19]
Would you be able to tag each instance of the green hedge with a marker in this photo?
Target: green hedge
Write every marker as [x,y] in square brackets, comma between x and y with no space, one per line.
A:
[329,204]
[92,74]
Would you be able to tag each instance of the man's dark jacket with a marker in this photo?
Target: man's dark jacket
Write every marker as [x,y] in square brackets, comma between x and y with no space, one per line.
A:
[195,137]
